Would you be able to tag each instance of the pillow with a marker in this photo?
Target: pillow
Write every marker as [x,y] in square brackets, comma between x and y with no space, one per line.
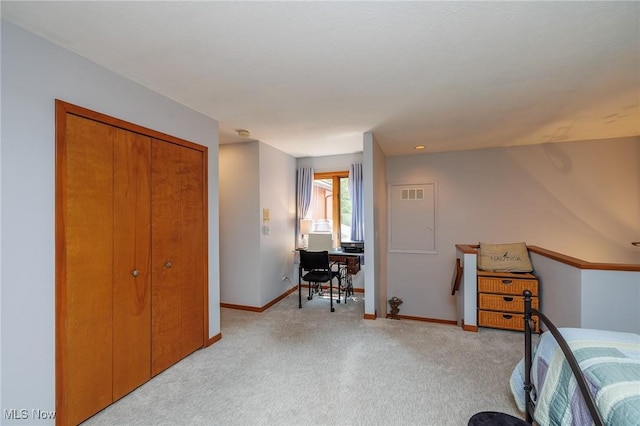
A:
[512,257]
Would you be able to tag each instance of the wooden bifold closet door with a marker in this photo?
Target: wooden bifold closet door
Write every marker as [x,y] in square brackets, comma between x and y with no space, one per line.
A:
[178,238]
[130,257]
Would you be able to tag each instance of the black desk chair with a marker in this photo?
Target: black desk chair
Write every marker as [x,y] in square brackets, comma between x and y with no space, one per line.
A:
[318,270]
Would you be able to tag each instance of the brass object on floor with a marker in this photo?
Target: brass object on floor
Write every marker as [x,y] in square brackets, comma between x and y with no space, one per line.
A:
[395,302]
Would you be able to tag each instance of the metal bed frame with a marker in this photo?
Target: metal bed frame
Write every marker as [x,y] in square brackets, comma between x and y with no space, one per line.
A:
[529,325]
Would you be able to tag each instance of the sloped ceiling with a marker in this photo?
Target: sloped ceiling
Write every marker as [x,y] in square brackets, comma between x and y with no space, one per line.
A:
[309,78]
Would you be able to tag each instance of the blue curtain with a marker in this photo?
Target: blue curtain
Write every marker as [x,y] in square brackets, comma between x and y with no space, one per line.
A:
[304,190]
[357,204]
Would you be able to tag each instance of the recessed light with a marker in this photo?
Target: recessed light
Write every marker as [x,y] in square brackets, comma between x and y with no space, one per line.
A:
[243,133]
[419,147]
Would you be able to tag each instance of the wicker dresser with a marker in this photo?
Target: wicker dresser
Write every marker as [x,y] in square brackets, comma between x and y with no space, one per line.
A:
[500,300]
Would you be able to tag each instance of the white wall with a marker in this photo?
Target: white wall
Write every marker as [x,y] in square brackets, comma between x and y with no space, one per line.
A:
[240,217]
[381,230]
[330,163]
[467,295]
[35,73]
[611,300]
[588,298]
[255,176]
[278,194]
[576,198]
[375,222]
[560,291]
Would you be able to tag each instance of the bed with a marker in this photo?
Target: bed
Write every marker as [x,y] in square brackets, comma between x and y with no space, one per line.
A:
[578,376]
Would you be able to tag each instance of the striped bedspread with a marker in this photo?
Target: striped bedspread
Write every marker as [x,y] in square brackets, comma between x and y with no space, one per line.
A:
[610,362]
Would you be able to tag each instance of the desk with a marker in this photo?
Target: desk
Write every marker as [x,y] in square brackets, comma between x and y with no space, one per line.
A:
[352,260]
[351,264]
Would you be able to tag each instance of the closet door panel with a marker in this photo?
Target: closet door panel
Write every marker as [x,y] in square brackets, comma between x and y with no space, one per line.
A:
[130,257]
[193,237]
[132,262]
[86,305]
[166,258]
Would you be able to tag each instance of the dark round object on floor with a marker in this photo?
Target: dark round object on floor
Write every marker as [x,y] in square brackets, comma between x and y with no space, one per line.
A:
[491,418]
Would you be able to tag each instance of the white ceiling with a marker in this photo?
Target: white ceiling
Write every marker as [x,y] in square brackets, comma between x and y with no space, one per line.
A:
[309,78]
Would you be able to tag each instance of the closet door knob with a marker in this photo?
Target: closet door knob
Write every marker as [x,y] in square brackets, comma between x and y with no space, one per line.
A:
[168,264]
[135,272]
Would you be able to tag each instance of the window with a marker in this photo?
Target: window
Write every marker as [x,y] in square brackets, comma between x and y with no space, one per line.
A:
[331,206]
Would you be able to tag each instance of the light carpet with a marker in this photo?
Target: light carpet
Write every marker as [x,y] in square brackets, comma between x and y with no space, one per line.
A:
[290,366]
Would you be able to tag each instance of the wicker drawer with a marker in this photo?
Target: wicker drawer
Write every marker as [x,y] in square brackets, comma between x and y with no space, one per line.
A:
[507,285]
[504,320]
[498,302]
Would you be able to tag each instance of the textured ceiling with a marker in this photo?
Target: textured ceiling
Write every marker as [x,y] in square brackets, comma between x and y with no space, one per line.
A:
[309,78]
